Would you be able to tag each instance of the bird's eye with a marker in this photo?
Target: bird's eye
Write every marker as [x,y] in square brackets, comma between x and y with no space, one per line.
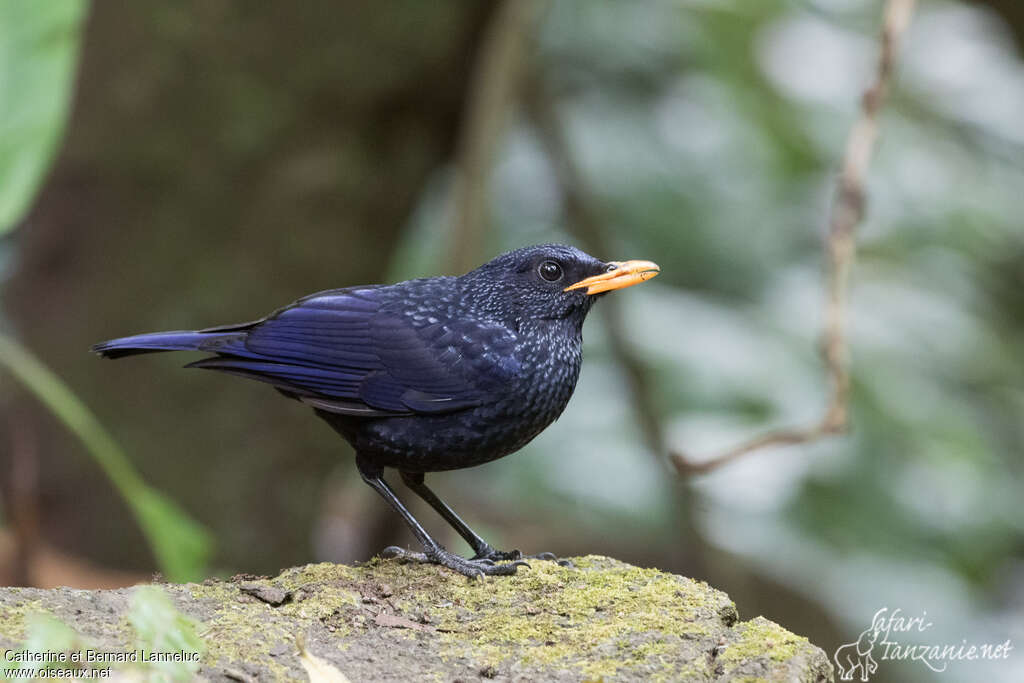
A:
[550,271]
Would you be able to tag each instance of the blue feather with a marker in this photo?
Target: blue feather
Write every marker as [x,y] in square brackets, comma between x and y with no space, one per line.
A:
[345,346]
[181,340]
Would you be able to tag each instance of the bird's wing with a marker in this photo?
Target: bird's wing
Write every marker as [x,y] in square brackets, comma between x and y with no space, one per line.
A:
[344,351]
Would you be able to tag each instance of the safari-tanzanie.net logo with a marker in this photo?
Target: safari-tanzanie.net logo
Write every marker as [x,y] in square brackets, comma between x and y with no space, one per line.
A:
[894,636]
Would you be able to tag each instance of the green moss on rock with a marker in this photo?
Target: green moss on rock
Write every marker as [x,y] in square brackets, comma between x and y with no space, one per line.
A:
[761,636]
[12,617]
[602,619]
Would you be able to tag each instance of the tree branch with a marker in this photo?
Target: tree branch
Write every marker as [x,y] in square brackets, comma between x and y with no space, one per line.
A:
[841,249]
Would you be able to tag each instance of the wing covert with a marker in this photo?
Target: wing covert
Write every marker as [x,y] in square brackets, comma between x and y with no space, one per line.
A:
[346,351]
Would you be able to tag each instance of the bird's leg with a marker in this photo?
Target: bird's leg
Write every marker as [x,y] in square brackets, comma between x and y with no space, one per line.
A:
[482,549]
[432,550]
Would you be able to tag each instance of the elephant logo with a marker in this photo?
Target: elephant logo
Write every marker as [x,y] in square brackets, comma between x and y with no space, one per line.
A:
[852,657]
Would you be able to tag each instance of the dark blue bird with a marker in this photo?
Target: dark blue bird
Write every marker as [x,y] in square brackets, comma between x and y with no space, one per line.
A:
[425,375]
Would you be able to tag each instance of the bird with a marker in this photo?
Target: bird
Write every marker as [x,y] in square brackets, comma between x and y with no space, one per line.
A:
[425,375]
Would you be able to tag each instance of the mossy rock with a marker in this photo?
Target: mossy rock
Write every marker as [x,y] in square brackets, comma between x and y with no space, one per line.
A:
[388,621]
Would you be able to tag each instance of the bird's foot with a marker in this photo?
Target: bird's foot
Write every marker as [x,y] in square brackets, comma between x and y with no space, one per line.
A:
[477,567]
[489,553]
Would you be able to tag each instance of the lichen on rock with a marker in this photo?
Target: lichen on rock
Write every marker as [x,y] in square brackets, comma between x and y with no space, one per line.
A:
[386,620]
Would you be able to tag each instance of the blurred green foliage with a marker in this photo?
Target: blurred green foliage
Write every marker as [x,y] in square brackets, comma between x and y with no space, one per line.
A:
[160,628]
[44,633]
[38,55]
[181,546]
[38,52]
[224,167]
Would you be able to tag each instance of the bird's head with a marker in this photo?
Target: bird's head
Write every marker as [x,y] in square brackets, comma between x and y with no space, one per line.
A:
[550,281]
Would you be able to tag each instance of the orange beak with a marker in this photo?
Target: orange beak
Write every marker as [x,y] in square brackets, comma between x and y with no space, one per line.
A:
[622,274]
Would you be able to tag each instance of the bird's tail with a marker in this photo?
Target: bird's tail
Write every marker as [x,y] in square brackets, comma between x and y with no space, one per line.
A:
[201,340]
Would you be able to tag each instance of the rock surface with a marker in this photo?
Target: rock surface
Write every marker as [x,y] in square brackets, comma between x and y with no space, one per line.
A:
[387,621]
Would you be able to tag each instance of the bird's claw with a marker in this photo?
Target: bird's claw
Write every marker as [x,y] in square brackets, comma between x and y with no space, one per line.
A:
[492,555]
[394,552]
[487,553]
[474,568]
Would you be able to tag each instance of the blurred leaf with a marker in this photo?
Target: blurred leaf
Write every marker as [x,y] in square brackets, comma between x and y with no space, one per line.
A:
[44,633]
[161,628]
[47,633]
[181,545]
[38,49]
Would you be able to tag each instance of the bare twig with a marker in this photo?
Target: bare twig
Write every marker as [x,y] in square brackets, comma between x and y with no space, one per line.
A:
[847,212]
[496,77]
[841,247]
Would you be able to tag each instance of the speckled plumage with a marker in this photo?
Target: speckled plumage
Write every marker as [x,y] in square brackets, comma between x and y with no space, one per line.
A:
[424,375]
[521,373]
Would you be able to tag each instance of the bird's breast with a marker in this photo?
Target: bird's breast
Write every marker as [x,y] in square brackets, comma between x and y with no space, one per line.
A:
[536,396]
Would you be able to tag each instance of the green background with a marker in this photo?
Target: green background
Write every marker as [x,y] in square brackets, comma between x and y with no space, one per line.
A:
[221,159]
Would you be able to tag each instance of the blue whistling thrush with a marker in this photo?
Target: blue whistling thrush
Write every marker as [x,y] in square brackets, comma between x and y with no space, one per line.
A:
[425,375]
